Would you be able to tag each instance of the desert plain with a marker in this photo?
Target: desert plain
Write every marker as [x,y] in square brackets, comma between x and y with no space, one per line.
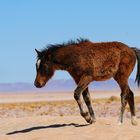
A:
[55,116]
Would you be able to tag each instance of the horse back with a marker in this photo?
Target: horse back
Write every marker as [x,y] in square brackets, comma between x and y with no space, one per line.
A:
[102,60]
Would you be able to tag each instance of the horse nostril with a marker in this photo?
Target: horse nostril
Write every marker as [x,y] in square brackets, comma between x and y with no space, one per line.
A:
[37,84]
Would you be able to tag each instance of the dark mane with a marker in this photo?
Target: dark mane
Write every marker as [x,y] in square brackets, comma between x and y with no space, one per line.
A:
[53,47]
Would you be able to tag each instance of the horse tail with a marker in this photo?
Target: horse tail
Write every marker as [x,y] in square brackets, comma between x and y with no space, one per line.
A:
[137,52]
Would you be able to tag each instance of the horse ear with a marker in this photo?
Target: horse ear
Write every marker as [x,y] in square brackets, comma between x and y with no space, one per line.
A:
[38,52]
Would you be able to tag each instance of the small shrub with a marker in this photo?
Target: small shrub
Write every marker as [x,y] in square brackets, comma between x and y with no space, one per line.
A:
[112,99]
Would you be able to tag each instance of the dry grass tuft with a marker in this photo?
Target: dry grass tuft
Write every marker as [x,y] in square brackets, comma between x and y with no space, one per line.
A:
[113,99]
[103,107]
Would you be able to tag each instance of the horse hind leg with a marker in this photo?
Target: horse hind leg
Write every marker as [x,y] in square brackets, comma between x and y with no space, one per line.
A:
[124,91]
[132,107]
[126,97]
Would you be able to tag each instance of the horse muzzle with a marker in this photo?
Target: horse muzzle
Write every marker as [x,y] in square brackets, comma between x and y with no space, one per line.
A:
[38,84]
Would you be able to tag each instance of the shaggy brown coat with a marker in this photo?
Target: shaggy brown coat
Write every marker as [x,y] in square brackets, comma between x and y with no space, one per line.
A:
[87,61]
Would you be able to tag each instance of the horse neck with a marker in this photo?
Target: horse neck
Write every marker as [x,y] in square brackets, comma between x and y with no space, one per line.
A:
[60,66]
[59,63]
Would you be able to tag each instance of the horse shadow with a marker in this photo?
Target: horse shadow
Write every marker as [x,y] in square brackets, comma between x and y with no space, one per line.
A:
[45,127]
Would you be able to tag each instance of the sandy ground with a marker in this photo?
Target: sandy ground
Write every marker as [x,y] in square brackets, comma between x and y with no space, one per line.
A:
[66,128]
[56,117]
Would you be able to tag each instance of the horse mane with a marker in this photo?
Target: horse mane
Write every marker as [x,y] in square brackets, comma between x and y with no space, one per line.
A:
[53,47]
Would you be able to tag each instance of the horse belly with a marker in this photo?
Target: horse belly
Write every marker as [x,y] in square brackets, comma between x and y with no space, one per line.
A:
[105,74]
[106,70]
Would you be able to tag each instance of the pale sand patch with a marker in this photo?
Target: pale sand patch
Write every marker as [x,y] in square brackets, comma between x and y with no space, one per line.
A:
[67,128]
[64,127]
[31,97]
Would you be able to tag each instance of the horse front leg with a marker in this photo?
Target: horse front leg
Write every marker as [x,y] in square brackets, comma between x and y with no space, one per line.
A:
[87,99]
[82,85]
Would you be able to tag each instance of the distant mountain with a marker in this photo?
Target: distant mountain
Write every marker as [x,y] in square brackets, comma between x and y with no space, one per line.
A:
[60,85]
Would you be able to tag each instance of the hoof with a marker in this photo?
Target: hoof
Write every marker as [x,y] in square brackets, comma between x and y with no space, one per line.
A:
[134,120]
[87,117]
[91,120]
[119,123]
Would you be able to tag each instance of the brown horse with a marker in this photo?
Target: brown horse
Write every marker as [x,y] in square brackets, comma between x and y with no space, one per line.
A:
[87,62]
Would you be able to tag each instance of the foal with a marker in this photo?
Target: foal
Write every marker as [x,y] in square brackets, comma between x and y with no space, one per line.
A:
[87,62]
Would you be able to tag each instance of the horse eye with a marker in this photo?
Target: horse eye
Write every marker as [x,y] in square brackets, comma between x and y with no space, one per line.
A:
[46,65]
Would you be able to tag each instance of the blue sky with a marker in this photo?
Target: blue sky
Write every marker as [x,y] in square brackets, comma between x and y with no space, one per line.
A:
[29,24]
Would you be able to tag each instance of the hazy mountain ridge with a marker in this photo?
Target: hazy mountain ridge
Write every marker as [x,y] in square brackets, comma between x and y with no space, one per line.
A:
[61,85]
